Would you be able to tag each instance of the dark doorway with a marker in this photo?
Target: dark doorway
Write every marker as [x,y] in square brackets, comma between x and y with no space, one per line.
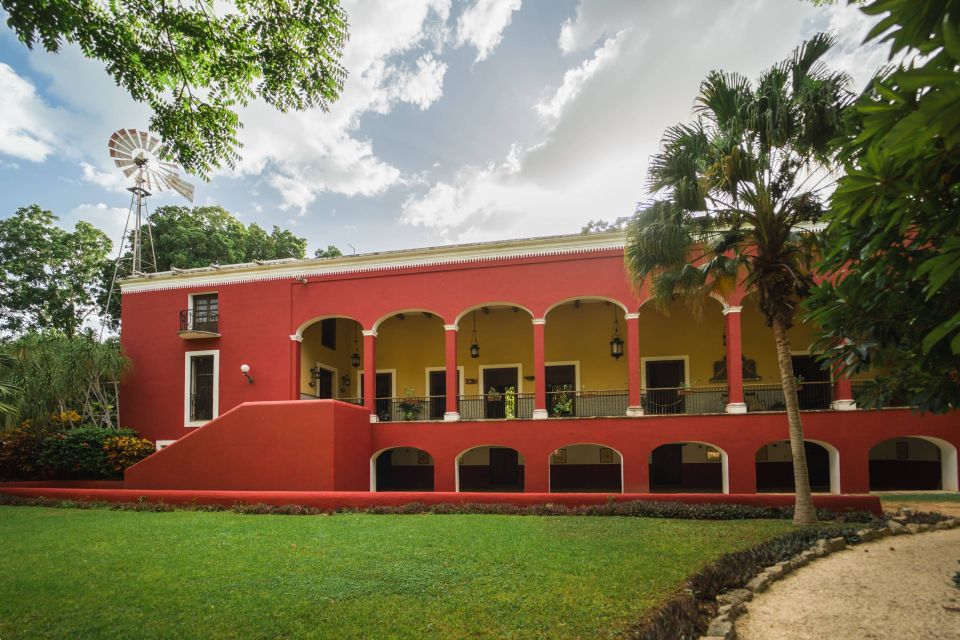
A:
[438,393]
[774,467]
[664,379]
[495,383]
[561,385]
[382,399]
[404,470]
[667,466]
[815,390]
[504,467]
[324,380]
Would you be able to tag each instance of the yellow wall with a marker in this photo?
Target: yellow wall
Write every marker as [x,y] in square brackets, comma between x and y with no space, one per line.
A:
[409,345]
[312,352]
[758,343]
[583,335]
[680,331]
[505,337]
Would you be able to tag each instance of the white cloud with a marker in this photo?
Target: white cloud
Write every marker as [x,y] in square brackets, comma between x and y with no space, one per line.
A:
[575,79]
[421,87]
[482,25]
[26,122]
[110,220]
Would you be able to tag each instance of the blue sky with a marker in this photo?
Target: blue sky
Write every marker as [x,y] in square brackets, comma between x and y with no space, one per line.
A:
[462,120]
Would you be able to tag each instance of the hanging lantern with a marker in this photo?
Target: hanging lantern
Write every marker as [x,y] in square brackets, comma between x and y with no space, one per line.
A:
[355,357]
[474,344]
[616,342]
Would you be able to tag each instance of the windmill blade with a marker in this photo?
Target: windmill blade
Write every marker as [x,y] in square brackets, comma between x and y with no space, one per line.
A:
[182,187]
[154,146]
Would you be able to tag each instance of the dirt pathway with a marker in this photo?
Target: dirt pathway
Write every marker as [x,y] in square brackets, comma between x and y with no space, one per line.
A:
[895,588]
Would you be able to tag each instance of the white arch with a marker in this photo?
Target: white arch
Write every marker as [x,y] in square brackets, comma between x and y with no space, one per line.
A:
[586,297]
[317,319]
[383,318]
[948,459]
[724,460]
[833,458]
[579,444]
[491,304]
[456,462]
[373,462]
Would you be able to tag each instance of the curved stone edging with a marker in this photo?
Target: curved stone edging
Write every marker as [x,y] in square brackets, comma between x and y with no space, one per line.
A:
[733,604]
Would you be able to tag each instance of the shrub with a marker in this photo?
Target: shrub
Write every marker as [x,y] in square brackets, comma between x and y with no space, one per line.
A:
[20,449]
[124,451]
[79,453]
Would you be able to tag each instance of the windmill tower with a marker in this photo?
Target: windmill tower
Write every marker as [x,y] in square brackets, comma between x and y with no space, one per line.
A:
[137,154]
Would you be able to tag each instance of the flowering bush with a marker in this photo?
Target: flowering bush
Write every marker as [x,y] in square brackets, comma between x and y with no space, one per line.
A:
[125,451]
[79,453]
[65,418]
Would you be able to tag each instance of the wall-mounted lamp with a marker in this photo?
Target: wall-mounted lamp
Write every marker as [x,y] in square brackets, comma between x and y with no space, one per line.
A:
[245,370]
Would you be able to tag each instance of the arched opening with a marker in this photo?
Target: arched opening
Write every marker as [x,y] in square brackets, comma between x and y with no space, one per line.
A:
[774,465]
[689,467]
[411,378]
[401,469]
[495,349]
[586,364]
[330,354]
[490,469]
[915,463]
[586,468]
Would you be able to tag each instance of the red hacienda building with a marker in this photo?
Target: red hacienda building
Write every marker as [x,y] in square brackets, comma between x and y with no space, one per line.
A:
[528,365]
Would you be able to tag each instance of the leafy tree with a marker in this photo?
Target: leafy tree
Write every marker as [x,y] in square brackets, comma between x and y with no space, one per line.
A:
[892,301]
[48,276]
[73,377]
[184,237]
[9,392]
[602,226]
[194,61]
[330,252]
[737,196]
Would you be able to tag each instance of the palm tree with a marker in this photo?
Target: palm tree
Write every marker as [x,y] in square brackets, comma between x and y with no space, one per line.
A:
[8,390]
[737,201]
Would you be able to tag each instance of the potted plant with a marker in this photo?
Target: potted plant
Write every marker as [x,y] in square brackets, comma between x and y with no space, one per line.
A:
[409,405]
[563,400]
[510,403]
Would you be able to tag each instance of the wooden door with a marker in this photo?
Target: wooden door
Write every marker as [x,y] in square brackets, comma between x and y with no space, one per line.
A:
[561,377]
[664,379]
[498,381]
[668,465]
[438,393]
[504,467]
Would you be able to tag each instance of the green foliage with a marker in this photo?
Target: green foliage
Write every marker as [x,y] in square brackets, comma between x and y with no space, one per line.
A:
[80,453]
[330,252]
[20,449]
[57,373]
[194,61]
[48,276]
[891,302]
[603,226]
[9,392]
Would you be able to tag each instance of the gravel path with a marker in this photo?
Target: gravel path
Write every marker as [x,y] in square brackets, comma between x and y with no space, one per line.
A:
[895,588]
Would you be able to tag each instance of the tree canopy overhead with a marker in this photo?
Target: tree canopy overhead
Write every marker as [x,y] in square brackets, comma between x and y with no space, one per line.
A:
[737,196]
[892,302]
[49,277]
[195,61]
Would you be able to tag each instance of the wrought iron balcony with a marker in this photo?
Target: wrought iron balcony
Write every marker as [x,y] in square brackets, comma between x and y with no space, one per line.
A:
[198,325]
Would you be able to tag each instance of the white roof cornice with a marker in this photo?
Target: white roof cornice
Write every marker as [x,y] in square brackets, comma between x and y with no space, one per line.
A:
[381,261]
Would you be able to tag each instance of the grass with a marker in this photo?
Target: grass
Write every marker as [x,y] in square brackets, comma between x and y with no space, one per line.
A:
[72,573]
[920,497]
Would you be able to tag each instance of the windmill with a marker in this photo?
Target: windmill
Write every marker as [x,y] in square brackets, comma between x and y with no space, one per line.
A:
[138,154]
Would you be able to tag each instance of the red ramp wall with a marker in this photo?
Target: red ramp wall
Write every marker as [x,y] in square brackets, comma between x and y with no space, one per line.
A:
[299,445]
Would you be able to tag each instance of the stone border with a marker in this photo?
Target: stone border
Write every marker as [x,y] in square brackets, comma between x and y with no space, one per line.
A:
[733,603]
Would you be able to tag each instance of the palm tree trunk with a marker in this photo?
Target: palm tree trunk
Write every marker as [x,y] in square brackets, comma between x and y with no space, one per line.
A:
[804,512]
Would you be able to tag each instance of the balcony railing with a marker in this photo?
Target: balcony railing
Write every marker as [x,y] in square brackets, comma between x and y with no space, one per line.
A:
[587,404]
[496,406]
[684,400]
[199,324]
[813,396]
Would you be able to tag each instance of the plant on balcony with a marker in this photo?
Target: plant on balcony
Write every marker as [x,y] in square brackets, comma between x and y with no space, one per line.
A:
[409,405]
[563,400]
[737,197]
[510,403]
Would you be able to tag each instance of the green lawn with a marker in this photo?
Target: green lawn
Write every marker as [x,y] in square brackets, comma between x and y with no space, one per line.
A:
[69,573]
[920,497]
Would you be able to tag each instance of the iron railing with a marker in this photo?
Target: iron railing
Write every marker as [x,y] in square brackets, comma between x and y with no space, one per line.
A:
[496,406]
[812,396]
[199,320]
[566,403]
[685,400]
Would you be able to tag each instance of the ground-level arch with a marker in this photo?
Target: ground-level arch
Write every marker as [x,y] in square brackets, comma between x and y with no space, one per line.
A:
[913,463]
[401,469]
[590,468]
[490,468]
[694,467]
